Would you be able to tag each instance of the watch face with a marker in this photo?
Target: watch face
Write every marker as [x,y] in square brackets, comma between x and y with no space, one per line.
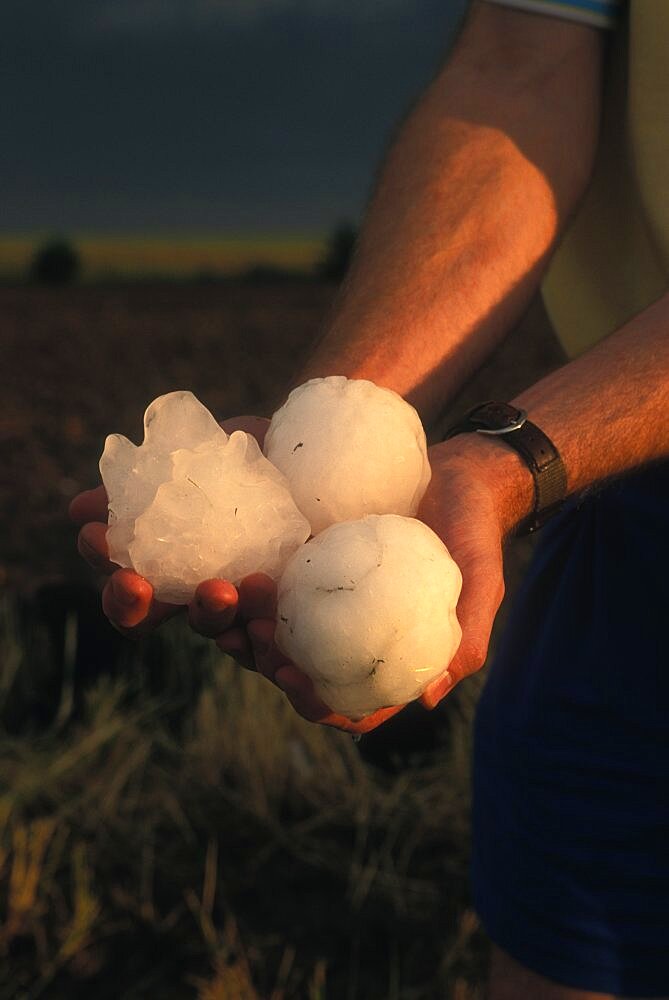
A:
[537,451]
[497,418]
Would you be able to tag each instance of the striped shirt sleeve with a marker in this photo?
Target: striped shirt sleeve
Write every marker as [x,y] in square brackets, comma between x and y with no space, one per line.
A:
[600,13]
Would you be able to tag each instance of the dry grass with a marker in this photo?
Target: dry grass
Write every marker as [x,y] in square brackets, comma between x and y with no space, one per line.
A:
[200,820]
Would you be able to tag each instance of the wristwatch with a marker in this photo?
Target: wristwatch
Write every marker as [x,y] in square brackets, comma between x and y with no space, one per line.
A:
[509,424]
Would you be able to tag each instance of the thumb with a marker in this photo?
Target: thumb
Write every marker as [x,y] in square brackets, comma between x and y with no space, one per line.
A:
[481,596]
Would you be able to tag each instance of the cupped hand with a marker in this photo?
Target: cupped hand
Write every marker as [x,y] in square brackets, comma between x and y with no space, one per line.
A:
[252,644]
[465,504]
[465,507]
[127,598]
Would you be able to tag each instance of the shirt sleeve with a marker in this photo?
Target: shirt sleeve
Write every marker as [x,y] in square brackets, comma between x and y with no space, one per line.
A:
[599,13]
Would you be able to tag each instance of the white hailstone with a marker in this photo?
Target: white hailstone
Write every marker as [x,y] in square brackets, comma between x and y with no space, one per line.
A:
[367,610]
[348,448]
[192,503]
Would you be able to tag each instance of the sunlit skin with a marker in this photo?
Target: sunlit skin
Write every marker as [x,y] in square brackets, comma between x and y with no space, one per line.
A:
[479,491]
[242,620]
[419,313]
[475,192]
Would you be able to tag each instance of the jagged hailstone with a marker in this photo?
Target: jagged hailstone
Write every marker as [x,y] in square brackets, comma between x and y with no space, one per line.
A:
[367,610]
[193,503]
[348,448]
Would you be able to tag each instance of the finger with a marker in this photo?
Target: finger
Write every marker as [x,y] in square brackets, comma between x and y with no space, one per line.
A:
[476,612]
[128,602]
[481,596]
[439,688]
[257,597]
[299,690]
[92,546]
[374,720]
[236,643]
[213,607]
[91,505]
[257,426]
[268,658]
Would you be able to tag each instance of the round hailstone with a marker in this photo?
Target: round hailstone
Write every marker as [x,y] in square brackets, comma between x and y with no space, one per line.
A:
[367,610]
[348,448]
[192,503]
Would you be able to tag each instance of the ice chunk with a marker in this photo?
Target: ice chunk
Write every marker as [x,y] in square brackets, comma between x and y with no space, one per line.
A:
[191,503]
[348,448]
[179,420]
[367,610]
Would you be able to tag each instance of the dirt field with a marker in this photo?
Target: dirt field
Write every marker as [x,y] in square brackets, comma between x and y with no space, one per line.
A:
[79,363]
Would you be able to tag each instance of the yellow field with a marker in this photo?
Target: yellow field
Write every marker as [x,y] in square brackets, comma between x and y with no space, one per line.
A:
[176,256]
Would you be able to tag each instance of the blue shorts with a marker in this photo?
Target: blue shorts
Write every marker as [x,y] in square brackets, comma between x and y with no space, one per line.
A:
[571,762]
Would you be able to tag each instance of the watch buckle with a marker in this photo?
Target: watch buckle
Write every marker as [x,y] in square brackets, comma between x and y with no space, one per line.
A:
[515,426]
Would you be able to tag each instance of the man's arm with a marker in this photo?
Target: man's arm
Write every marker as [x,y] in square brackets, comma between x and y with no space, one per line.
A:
[476,191]
[477,187]
[607,412]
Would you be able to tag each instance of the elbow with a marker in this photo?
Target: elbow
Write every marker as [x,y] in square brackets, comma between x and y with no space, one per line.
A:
[538,81]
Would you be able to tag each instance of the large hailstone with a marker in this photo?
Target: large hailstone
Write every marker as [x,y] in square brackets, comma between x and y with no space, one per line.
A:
[367,610]
[348,448]
[193,503]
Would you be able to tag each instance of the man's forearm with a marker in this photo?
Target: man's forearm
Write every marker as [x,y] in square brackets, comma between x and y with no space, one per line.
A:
[470,202]
[607,412]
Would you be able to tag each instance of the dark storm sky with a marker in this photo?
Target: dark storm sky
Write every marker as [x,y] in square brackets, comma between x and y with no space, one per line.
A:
[215,115]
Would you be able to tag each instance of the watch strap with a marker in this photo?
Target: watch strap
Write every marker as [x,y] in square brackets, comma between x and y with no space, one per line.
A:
[511,425]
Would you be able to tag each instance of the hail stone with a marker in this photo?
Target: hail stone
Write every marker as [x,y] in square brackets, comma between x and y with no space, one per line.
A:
[193,503]
[367,610]
[349,448]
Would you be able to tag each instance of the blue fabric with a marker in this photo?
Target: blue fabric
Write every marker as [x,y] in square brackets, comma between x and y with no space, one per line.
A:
[571,763]
[601,13]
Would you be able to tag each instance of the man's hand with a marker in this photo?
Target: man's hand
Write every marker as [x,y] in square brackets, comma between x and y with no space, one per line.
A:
[241,619]
[253,646]
[466,507]
[127,598]
[478,492]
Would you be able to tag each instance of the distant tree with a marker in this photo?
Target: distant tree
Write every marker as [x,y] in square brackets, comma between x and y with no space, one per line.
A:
[338,253]
[56,262]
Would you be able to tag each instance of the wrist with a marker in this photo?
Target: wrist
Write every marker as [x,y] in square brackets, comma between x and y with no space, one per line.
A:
[510,425]
[506,477]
